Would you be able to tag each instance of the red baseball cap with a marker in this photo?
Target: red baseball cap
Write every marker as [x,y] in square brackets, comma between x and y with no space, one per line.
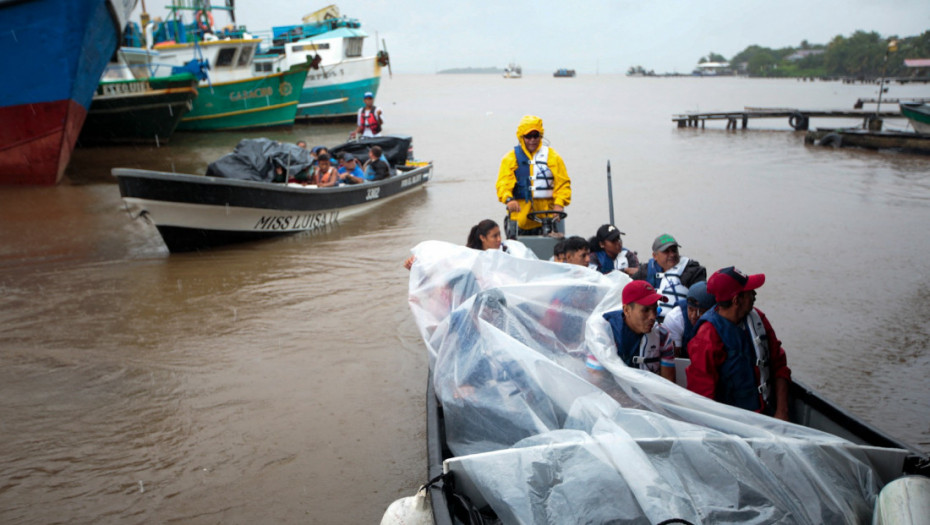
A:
[727,282]
[641,292]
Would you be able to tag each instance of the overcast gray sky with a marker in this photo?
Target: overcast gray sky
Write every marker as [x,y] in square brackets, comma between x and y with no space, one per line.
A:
[608,36]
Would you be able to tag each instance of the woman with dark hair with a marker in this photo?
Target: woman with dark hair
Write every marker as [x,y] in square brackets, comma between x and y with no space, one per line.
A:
[486,235]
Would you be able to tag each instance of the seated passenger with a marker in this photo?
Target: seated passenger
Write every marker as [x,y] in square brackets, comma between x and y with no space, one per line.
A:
[377,167]
[558,251]
[735,356]
[575,251]
[670,273]
[641,341]
[608,253]
[349,170]
[486,235]
[324,174]
[680,320]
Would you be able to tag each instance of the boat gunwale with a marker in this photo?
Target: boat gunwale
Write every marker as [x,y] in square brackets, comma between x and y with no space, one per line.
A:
[264,185]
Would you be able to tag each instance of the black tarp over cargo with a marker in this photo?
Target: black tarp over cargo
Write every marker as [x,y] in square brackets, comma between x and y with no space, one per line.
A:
[395,148]
[256,159]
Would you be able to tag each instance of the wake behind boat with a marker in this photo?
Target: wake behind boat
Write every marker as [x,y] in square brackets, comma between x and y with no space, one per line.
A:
[194,212]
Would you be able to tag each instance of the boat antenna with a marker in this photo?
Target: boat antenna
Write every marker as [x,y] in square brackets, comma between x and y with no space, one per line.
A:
[892,46]
[610,194]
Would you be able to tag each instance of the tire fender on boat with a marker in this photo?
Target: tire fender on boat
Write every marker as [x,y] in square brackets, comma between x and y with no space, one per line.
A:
[832,139]
[412,510]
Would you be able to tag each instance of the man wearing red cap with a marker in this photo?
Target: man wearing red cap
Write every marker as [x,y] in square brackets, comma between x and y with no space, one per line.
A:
[735,356]
[641,341]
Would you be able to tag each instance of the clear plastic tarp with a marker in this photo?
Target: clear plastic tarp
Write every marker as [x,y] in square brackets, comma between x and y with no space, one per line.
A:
[541,438]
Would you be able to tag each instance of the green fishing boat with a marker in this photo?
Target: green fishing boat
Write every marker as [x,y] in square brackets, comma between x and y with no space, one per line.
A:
[255,102]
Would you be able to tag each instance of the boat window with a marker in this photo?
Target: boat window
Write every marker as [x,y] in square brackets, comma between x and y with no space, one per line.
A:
[263,67]
[354,47]
[310,47]
[245,56]
[225,56]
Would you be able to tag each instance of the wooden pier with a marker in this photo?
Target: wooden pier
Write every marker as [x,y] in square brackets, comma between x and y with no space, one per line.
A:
[799,119]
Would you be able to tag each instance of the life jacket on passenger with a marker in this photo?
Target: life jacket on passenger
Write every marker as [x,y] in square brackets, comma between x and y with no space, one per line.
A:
[667,283]
[747,348]
[534,178]
[370,120]
[606,265]
[689,330]
[646,354]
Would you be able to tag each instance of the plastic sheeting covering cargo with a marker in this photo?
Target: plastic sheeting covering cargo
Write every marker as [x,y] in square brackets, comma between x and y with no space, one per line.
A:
[540,438]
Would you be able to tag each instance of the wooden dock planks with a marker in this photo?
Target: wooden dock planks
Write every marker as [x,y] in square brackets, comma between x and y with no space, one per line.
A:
[799,119]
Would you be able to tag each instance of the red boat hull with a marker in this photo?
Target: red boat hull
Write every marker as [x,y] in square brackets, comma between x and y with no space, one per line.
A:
[37,140]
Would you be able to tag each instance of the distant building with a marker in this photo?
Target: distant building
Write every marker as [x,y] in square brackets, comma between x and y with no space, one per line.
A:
[803,53]
[711,69]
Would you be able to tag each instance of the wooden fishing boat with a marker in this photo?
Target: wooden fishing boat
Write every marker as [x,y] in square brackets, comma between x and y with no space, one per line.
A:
[232,95]
[918,114]
[906,141]
[138,111]
[195,212]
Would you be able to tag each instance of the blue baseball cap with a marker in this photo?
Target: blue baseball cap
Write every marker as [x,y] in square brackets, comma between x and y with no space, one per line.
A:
[699,297]
[369,94]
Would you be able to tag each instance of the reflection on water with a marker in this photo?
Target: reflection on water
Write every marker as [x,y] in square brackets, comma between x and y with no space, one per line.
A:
[283,380]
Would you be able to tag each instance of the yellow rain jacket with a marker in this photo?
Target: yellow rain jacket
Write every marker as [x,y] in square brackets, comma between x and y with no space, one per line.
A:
[507,179]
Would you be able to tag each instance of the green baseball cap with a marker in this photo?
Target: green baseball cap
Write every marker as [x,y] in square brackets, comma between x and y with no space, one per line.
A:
[663,242]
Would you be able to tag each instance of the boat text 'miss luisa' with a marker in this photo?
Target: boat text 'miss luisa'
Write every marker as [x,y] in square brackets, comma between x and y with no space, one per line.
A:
[521,431]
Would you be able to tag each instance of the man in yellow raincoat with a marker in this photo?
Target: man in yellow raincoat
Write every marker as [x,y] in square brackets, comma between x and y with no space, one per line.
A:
[532,176]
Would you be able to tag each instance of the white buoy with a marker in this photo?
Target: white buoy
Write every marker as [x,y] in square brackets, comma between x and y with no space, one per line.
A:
[412,510]
[904,501]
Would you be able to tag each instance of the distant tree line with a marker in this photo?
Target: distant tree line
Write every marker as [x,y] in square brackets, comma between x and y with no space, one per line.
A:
[640,71]
[860,55]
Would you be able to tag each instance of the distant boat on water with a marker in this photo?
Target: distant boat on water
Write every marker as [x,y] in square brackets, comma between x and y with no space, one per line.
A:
[513,71]
[340,74]
[564,73]
[52,53]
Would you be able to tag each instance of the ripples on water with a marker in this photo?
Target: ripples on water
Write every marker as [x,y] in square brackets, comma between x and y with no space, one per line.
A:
[284,380]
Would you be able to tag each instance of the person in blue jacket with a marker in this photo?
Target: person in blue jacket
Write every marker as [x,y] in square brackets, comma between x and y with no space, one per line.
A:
[608,253]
